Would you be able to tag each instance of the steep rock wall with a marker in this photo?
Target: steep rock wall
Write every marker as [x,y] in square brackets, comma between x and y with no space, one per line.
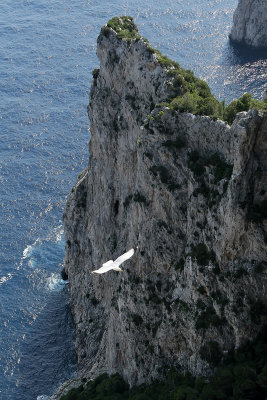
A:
[190,192]
[250,23]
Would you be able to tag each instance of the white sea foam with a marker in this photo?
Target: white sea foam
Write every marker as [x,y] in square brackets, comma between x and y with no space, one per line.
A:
[43,397]
[6,278]
[59,234]
[27,252]
[56,235]
[55,282]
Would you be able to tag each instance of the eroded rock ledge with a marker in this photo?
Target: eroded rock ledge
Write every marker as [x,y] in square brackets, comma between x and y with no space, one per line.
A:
[191,192]
[250,23]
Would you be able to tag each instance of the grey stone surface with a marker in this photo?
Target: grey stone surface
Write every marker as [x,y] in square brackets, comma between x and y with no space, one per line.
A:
[250,23]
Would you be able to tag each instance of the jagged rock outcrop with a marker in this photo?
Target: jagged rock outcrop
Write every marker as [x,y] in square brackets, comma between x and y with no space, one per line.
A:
[250,23]
[191,193]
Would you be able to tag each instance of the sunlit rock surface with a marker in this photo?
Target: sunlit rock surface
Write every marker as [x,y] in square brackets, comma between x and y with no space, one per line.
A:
[250,23]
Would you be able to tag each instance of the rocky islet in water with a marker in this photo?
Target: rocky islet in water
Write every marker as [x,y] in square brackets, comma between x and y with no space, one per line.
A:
[190,190]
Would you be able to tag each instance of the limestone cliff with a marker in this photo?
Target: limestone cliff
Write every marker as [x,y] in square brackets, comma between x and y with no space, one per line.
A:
[250,23]
[191,193]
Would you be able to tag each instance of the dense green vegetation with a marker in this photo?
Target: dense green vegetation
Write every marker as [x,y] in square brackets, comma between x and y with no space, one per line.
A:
[187,93]
[242,376]
[190,94]
[124,27]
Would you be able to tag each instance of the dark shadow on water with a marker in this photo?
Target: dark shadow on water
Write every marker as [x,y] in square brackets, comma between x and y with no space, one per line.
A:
[241,54]
[48,357]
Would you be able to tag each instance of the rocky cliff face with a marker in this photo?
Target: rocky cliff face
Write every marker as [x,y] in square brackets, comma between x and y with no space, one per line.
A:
[191,193]
[250,23]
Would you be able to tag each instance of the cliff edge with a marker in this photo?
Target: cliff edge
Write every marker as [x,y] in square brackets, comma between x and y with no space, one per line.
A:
[191,192]
[250,23]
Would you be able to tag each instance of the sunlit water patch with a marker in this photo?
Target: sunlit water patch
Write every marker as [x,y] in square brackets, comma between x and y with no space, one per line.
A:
[47,54]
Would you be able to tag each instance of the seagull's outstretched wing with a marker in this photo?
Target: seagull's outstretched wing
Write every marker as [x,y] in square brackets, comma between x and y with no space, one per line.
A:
[107,263]
[105,268]
[123,258]
[114,264]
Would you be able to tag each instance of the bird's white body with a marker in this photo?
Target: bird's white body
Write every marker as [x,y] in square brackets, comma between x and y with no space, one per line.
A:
[107,266]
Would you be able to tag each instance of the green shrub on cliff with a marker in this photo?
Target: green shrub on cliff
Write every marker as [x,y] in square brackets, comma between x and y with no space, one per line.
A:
[221,170]
[187,93]
[244,103]
[124,27]
[242,376]
[190,94]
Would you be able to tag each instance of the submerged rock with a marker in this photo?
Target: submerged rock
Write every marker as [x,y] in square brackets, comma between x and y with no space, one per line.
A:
[250,23]
[191,193]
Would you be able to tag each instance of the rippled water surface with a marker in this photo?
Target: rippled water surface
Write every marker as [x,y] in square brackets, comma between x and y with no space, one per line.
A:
[47,54]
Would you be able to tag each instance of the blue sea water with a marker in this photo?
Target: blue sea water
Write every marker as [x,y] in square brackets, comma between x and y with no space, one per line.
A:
[47,54]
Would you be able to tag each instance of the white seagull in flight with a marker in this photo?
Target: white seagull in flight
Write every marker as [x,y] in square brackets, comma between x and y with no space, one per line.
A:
[114,264]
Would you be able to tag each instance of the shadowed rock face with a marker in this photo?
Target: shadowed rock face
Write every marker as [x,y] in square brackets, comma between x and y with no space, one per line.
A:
[190,192]
[250,23]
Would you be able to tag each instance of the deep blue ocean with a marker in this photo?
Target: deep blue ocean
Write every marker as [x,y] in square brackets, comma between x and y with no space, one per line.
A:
[47,54]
